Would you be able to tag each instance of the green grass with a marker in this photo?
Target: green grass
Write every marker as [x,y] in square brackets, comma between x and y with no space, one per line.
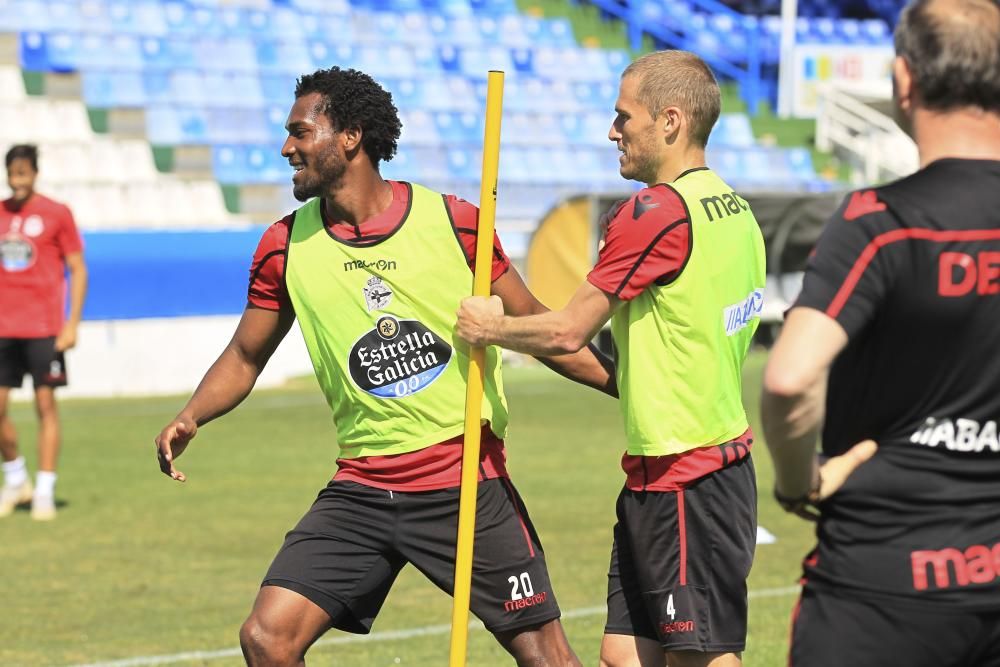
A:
[138,565]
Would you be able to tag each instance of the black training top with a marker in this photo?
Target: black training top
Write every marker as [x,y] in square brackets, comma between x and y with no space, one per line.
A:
[911,271]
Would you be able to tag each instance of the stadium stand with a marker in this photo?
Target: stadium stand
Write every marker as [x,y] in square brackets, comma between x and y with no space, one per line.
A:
[219,75]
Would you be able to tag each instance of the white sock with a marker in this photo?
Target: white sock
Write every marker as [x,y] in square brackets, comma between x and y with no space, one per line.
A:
[45,483]
[15,473]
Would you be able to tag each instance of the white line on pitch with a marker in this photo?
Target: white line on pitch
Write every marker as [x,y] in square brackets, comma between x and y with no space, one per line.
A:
[389,635]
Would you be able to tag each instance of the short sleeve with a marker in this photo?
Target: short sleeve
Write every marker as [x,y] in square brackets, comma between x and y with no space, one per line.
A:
[648,241]
[465,218]
[846,277]
[68,236]
[267,271]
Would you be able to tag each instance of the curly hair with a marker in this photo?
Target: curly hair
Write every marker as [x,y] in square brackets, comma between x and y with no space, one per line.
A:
[354,99]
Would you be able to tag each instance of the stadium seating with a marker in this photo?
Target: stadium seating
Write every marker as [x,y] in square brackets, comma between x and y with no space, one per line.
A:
[219,75]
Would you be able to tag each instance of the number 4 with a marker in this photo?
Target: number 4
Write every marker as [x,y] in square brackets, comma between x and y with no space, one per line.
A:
[670,607]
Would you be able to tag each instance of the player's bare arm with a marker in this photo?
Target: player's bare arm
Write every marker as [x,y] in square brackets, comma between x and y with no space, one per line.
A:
[792,410]
[227,382]
[77,292]
[481,321]
[586,366]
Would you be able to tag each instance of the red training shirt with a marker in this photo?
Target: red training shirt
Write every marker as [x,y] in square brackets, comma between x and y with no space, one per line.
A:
[34,243]
[434,467]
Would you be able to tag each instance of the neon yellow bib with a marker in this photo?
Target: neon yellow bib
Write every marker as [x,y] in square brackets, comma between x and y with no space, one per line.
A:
[681,346]
[378,323]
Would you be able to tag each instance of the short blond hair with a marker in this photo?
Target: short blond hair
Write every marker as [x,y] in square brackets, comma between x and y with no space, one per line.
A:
[681,79]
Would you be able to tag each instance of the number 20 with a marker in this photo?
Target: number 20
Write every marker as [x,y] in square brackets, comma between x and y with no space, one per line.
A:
[526,588]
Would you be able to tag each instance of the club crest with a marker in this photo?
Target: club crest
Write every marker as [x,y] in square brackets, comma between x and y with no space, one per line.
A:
[377,294]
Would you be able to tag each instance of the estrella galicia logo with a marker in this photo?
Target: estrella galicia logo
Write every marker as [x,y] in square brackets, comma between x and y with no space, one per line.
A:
[16,253]
[398,358]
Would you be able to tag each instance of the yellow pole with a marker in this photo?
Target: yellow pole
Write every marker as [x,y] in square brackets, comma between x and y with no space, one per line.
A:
[474,390]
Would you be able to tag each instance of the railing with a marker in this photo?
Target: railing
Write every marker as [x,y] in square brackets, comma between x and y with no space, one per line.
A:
[848,125]
[748,76]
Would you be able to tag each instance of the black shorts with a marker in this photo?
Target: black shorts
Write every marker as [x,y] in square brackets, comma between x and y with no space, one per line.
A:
[680,562]
[346,551]
[832,630]
[31,356]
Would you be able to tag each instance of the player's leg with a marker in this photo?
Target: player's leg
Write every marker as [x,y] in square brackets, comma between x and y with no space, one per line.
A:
[334,570]
[629,651]
[16,483]
[511,591]
[629,637]
[544,644]
[8,436]
[693,593]
[281,628]
[48,371]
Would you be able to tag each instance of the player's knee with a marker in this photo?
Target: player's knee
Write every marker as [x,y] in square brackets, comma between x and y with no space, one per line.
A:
[544,646]
[262,645]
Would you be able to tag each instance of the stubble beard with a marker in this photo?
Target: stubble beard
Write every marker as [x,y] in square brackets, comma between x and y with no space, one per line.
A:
[332,171]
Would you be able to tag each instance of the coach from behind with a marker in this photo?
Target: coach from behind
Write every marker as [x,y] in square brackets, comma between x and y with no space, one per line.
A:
[894,340]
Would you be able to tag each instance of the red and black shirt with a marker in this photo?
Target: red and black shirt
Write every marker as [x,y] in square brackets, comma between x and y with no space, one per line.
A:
[911,271]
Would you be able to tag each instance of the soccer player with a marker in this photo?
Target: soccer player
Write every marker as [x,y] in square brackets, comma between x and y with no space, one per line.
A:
[893,341]
[680,275]
[39,242]
[373,271]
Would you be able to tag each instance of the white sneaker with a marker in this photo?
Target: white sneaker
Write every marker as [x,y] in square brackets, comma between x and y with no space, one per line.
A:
[43,508]
[12,496]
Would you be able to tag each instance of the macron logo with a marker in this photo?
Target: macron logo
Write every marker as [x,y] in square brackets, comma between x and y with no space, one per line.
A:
[737,316]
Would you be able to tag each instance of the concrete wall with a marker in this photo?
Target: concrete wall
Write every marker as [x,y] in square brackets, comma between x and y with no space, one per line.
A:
[161,356]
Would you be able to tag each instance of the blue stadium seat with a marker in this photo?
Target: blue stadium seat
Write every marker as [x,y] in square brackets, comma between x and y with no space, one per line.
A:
[876,31]
[33,52]
[454,30]
[448,7]
[464,164]
[229,164]
[278,89]
[62,15]
[170,125]
[113,89]
[476,62]
[455,127]
[233,89]
[275,117]
[225,53]
[168,53]
[283,57]
[587,129]
[481,7]
[418,128]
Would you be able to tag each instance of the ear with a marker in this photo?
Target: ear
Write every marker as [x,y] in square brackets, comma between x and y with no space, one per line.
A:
[670,121]
[351,138]
[902,82]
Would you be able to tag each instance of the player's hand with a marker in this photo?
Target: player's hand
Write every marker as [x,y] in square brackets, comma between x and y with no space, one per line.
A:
[837,469]
[605,220]
[478,318]
[172,442]
[828,478]
[66,339]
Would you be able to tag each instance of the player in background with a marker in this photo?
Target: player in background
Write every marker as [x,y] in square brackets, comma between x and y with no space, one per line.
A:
[893,341]
[681,276]
[373,271]
[39,243]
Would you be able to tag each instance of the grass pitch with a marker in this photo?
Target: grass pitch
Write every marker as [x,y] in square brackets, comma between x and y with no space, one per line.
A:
[137,565]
